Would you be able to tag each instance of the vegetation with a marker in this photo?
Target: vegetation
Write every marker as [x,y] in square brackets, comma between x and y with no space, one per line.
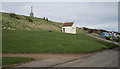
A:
[29,19]
[50,42]
[6,61]
[41,36]
[26,23]
[46,19]
[14,16]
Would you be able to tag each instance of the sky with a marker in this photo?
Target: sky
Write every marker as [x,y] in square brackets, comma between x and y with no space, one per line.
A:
[99,15]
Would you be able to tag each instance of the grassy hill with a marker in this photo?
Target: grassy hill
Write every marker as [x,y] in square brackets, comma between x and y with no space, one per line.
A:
[23,35]
[12,21]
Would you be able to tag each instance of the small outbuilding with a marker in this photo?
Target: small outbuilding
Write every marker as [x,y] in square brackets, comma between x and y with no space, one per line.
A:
[69,28]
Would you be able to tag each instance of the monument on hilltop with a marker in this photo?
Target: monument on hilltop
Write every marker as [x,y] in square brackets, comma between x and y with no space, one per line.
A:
[31,13]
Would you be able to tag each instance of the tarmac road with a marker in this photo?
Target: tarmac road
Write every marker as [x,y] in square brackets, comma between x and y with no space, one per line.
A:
[107,58]
[47,62]
[104,59]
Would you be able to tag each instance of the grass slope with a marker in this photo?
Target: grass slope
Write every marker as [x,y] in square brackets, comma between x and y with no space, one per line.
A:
[7,61]
[49,42]
[10,23]
[37,39]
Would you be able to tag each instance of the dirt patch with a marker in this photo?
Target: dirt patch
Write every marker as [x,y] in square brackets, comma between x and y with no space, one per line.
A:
[45,56]
[40,56]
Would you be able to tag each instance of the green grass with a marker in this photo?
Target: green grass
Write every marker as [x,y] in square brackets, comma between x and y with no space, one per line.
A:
[50,42]
[22,36]
[10,23]
[6,61]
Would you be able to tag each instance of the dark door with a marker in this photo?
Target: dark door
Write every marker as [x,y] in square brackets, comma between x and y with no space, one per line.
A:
[63,29]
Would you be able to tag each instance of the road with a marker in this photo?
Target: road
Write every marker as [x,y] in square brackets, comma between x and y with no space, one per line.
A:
[103,59]
[48,62]
[103,39]
[107,58]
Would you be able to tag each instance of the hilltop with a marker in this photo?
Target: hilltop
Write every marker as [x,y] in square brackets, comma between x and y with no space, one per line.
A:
[11,21]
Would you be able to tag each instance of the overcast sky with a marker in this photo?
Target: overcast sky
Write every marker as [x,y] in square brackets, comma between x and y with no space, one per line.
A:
[100,15]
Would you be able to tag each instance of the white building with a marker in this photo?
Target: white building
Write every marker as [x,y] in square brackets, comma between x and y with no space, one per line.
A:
[69,28]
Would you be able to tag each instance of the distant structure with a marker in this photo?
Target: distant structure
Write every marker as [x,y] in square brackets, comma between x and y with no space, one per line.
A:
[31,13]
[69,28]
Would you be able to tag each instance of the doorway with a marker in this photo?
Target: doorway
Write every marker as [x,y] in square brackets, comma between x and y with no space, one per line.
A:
[63,29]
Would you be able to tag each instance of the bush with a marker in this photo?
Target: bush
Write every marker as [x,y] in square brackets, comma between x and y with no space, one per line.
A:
[118,37]
[108,38]
[49,30]
[117,40]
[14,16]
[29,19]
[99,32]
[90,31]
[46,19]
[17,17]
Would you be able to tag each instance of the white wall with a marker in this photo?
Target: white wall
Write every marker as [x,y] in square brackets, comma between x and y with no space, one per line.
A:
[70,29]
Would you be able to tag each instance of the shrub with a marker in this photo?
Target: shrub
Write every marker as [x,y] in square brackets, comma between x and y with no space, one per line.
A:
[108,38]
[90,31]
[17,17]
[118,40]
[49,30]
[29,19]
[46,19]
[99,32]
[118,37]
[14,16]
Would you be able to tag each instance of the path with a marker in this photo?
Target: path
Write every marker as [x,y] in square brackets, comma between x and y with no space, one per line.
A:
[46,56]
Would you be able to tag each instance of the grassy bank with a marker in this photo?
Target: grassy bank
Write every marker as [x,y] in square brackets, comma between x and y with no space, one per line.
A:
[25,23]
[50,42]
[7,61]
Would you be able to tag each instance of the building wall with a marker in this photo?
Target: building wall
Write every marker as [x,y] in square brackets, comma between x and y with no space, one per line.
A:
[70,29]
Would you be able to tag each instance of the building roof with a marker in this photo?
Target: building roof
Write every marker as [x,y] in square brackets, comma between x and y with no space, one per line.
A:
[68,24]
